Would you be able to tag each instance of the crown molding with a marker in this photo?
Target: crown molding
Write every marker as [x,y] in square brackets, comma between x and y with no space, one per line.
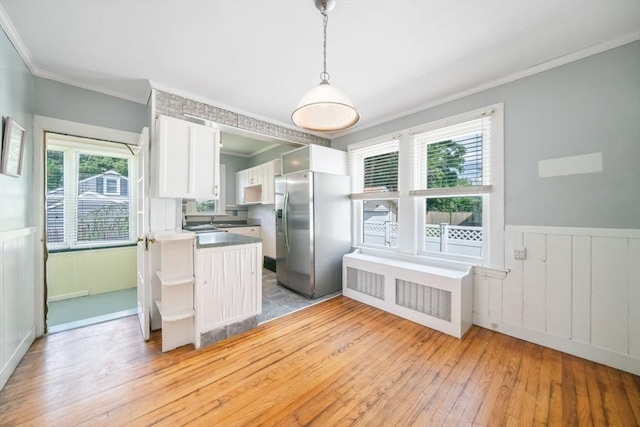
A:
[536,69]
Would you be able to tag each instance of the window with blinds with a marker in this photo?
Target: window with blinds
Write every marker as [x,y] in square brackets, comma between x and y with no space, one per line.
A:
[374,189]
[452,160]
[374,169]
[88,198]
[451,171]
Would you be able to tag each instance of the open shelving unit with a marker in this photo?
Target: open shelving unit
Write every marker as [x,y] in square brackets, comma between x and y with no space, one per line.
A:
[174,277]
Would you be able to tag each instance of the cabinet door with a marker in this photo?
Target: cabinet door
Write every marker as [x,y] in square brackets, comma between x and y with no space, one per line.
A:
[204,161]
[188,160]
[172,157]
[229,285]
[254,176]
[268,196]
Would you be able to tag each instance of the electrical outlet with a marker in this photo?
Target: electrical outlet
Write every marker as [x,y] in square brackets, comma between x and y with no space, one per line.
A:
[520,253]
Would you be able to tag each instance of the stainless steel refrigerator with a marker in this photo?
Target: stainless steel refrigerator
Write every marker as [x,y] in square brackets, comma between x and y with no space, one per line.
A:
[313,231]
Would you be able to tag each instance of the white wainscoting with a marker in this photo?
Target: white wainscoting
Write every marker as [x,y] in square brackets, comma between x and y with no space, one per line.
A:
[17,324]
[577,291]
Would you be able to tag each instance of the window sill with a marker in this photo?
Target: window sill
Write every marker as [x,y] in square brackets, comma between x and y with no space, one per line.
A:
[90,247]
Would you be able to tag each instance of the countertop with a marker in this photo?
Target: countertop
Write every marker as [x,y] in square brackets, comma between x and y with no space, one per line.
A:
[219,239]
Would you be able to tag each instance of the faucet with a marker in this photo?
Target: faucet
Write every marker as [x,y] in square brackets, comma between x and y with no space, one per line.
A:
[212,217]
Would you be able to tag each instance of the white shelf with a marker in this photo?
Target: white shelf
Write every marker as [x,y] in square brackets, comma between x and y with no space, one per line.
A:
[175,281]
[175,316]
[173,284]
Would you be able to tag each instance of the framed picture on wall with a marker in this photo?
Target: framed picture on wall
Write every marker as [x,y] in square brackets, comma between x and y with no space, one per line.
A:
[12,148]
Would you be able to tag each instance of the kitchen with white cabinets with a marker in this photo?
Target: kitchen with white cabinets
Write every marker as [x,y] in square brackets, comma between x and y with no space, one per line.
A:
[212,231]
[204,287]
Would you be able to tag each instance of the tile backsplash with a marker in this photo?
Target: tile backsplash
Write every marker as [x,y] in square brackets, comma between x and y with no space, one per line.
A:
[177,106]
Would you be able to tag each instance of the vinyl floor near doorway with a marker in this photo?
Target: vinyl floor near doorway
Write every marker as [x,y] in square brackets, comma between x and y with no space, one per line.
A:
[335,363]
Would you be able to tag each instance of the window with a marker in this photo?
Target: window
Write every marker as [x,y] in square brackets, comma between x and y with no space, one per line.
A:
[111,186]
[434,190]
[451,172]
[88,202]
[374,188]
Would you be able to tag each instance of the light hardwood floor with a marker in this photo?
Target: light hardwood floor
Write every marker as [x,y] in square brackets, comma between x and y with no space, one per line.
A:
[336,363]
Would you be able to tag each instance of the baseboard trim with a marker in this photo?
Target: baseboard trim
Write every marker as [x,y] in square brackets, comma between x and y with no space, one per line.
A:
[595,354]
[17,356]
[68,296]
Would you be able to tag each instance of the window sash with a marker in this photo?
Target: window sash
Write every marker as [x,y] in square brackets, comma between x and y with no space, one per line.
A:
[357,158]
[71,230]
[475,171]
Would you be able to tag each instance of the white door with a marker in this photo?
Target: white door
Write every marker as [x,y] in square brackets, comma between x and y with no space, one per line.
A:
[142,219]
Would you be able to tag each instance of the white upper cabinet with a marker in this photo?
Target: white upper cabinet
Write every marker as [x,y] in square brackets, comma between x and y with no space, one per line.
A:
[256,185]
[188,159]
[315,158]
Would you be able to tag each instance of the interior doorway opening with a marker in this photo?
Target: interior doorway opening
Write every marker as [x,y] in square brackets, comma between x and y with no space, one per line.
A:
[90,231]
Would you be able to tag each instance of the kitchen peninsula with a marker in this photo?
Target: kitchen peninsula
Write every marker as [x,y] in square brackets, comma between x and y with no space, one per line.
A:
[210,286]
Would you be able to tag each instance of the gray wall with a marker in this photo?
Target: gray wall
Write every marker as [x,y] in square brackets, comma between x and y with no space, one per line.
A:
[268,155]
[588,106]
[232,165]
[62,101]
[16,101]
[16,216]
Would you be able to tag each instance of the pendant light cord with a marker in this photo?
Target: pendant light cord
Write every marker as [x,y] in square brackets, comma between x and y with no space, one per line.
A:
[324,76]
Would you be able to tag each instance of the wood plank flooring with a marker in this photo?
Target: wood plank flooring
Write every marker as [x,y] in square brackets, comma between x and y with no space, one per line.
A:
[336,363]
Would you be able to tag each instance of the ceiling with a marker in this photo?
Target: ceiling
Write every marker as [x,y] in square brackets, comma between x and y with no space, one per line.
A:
[259,56]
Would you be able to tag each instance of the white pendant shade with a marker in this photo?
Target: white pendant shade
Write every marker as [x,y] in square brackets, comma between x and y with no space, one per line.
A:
[325,108]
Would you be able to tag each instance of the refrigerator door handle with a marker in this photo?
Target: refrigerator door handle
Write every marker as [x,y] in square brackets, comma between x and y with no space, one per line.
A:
[285,220]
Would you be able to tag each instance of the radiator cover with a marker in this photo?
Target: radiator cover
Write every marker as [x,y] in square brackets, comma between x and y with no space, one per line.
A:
[436,297]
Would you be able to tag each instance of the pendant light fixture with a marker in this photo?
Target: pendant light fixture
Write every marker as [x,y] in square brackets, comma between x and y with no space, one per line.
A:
[325,108]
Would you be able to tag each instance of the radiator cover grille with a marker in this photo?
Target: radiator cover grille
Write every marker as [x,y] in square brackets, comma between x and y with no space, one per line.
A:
[365,282]
[425,299]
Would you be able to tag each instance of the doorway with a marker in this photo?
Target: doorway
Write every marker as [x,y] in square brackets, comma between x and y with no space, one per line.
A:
[90,212]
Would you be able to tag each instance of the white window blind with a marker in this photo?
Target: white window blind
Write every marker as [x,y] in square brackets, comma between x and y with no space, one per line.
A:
[452,159]
[374,170]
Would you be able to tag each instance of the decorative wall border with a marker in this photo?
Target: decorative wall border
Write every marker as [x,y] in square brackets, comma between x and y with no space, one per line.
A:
[177,106]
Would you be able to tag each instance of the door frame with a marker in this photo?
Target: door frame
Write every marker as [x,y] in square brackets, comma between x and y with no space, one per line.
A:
[42,124]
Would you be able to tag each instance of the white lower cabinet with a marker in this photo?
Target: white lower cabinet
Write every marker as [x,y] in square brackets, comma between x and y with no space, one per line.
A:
[228,287]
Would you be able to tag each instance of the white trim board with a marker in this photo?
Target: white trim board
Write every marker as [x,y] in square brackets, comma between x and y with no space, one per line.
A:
[628,233]
[14,234]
